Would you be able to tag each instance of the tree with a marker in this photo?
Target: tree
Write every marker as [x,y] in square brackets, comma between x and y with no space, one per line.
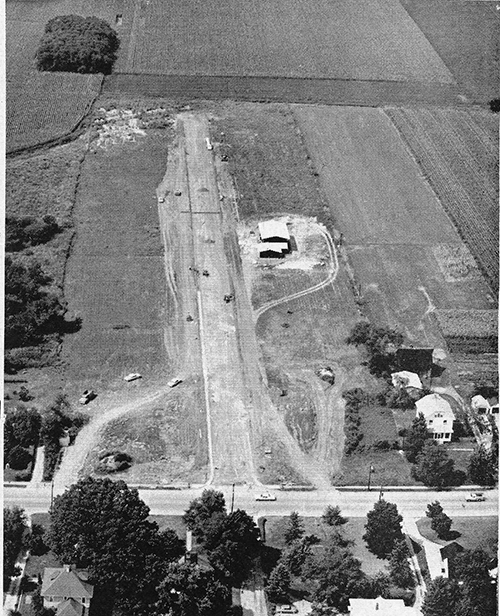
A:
[441,523]
[190,591]
[416,438]
[332,516]
[335,576]
[78,45]
[383,528]
[434,467]
[295,555]
[232,547]
[433,509]
[201,510]
[399,567]
[295,528]
[482,467]
[103,525]
[441,598]
[471,569]
[14,528]
[21,427]
[278,584]
[19,458]
[35,540]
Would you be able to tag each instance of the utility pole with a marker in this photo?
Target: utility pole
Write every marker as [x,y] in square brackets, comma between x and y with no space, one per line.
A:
[232,500]
[381,493]
[370,476]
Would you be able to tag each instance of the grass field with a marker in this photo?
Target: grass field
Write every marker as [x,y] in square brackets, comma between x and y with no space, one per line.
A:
[475,532]
[465,35]
[375,40]
[458,153]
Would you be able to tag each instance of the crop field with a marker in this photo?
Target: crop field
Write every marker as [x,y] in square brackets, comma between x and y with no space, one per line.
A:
[466,37]
[406,255]
[458,153]
[349,40]
[45,106]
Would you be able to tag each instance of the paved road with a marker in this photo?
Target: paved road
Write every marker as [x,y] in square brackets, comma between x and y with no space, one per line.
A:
[312,503]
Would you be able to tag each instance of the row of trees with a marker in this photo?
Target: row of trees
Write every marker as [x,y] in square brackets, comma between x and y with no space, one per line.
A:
[23,231]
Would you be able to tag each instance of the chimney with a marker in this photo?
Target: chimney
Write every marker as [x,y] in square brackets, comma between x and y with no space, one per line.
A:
[189,540]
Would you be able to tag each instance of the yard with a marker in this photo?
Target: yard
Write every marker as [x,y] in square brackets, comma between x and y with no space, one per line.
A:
[473,532]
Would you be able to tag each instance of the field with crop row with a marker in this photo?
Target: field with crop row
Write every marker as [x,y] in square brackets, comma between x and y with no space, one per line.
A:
[45,106]
[456,152]
[350,40]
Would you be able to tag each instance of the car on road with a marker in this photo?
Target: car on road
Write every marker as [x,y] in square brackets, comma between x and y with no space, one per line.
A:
[265,496]
[87,396]
[161,199]
[286,609]
[133,376]
[475,497]
[174,382]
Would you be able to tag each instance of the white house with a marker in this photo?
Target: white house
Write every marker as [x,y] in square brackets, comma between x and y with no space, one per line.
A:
[438,415]
[380,607]
[67,590]
[406,379]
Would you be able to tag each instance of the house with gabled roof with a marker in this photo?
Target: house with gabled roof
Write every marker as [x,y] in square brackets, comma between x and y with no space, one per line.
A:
[438,415]
[67,590]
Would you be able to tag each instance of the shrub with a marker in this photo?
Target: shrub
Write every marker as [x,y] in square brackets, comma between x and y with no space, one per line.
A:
[51,458]
[19,458]
[76,44]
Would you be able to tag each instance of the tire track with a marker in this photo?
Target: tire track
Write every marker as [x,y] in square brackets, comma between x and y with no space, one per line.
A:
[320,285]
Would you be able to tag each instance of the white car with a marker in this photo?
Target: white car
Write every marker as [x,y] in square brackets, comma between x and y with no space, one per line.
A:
[265,496]
[161,199]
[286,609]
[133,376]
[174,382]
[87,396]
[475,497]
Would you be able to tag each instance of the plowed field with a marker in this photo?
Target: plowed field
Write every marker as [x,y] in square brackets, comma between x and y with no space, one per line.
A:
[458,153]
[374,39]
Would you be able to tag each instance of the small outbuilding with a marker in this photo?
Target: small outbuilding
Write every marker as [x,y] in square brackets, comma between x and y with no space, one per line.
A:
[274,231]
[273,250]
[406,379]
[480,405]
[380,607]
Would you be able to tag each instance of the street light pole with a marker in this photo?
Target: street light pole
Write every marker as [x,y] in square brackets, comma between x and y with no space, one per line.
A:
[232,500]
[370,476]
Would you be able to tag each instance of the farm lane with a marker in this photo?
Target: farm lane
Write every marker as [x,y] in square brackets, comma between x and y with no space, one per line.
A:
[411,503]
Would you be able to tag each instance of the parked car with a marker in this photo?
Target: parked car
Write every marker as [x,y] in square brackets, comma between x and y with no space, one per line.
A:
[161,199]
[133,376]
[286,609]
[87,396]
[475,497]
[265,496]
[174,382]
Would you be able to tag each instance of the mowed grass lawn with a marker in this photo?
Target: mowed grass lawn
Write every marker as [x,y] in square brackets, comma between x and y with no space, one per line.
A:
[475,532]
[346,39]
[353,530]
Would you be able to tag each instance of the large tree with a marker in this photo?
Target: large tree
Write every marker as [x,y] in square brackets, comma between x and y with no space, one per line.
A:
[77,44]
[15,526]
[191,591]
[294,529]
[103,525]
[399,566]
[383,528]
[434,466]
[482,467]
[205,511]
[416,438]
[21,427]
[332,516]
[278,584]
[471,569]
[441,598]
[441,523]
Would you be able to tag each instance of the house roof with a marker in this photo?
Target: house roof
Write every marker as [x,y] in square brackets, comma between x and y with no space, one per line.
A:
[428,405]
[278,247]
[414,360]
[407,379]
[379,607]
[434,559]
[70,607]
[479,402]
[66,582]
[273,228]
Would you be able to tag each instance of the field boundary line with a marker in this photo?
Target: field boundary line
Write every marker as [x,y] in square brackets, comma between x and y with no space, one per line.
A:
[320,285]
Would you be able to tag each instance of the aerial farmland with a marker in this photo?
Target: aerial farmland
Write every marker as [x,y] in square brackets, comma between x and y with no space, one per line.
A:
[351,123]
